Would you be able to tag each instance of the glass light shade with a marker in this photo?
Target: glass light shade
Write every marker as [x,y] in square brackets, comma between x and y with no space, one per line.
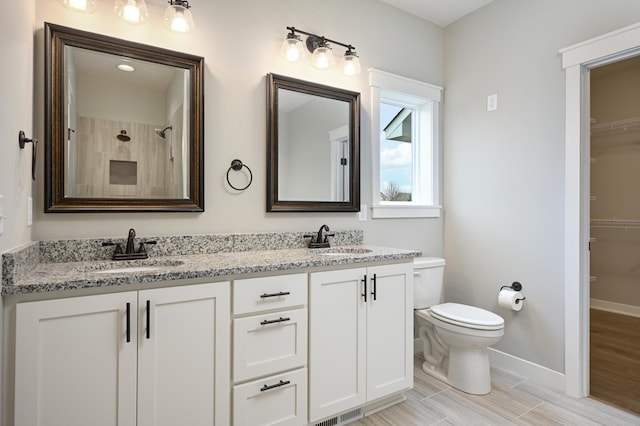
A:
[132,11]
[87,6]
[178,18]
[350,64]
[292,49]
[322,58]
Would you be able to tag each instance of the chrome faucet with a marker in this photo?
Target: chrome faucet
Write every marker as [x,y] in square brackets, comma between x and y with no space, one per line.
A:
[130,252]
[317,240]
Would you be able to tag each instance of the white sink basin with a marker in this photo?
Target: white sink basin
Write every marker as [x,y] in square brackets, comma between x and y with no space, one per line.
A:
[344,251]
[129,266]
[128,269]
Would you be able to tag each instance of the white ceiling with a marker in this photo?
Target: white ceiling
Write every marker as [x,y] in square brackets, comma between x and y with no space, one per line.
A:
[440,12]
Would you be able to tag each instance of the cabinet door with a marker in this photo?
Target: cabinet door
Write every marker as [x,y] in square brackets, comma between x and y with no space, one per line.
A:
[183,355]
[74,365]
[389,330]
[337,358]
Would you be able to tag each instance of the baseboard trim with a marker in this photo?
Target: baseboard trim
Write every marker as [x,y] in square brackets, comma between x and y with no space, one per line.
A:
[618,308]
[523,368]
[527,369]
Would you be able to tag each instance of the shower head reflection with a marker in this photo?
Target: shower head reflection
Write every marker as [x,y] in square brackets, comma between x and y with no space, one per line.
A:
[161,132]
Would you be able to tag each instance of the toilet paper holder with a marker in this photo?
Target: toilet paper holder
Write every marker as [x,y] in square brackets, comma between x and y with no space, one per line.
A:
[515,286]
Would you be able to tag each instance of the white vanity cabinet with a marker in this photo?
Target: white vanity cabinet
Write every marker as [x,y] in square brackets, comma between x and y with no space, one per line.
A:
[153,357]
[270,350]
[360,337]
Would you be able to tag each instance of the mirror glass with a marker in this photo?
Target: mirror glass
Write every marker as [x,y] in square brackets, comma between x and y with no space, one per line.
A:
[313,147]
[124,125]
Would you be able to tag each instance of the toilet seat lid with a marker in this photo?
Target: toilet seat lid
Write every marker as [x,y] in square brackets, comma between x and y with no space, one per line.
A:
[467,315]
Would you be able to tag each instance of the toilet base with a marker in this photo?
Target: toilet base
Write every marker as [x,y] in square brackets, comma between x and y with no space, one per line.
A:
[468,370]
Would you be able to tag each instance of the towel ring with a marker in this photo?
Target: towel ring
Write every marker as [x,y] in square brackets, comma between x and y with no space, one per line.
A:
[237,166]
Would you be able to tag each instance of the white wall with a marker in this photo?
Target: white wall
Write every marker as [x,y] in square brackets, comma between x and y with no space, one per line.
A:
[16,94]
[504,170]
[16,103]
[240,41]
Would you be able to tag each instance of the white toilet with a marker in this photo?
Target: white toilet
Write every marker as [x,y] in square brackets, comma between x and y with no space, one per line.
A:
[454,337]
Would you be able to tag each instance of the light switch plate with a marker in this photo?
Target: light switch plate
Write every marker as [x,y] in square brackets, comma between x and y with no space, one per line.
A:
[1,214]
[492,102]
[362,215]
[29,211]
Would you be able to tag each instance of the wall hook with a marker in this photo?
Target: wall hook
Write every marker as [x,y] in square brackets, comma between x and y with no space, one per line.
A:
[22,141]
[237,166]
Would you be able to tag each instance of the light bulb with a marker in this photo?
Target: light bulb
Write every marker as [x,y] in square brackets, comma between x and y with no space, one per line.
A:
[132,11]
[322,58]
[350,63]
[178,18]
[292,48]
[179,24]
[87,6]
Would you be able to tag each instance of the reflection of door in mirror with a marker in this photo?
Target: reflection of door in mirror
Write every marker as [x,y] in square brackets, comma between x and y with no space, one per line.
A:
[114,116]
[312,151]
[340,163]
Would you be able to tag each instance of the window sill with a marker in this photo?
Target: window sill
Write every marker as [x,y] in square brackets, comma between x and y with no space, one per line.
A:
[396,212]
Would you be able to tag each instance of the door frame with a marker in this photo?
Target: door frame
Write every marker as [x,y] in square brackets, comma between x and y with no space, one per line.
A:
[577,61]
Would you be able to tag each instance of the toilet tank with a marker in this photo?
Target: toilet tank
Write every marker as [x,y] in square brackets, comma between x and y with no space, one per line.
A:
[427,281]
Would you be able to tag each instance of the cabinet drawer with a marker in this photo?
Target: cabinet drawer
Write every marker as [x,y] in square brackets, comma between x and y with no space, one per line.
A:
[267,293]
[277,400]
[268,343]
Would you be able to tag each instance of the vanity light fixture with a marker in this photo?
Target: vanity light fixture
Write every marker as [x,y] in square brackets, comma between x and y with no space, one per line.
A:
[132,11]
[177,17]
[322,56]
[86,6]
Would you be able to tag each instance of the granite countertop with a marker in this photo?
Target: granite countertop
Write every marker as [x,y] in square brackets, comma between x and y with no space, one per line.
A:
[46,277]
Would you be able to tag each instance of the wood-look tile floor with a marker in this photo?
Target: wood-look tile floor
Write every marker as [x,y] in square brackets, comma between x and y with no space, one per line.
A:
[615,359]
[512,401]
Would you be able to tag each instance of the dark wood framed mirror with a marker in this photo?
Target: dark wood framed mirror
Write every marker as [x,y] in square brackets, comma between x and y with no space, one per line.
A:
[313,147]
[124,125]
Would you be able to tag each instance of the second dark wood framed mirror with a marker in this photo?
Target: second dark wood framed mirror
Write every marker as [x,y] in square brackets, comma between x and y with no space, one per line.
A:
[313,147]
[124,125]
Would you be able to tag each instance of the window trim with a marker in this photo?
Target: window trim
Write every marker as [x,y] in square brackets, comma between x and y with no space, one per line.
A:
[388,86]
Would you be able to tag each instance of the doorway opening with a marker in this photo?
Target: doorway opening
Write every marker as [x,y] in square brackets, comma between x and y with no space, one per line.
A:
[614,239]
[577,61]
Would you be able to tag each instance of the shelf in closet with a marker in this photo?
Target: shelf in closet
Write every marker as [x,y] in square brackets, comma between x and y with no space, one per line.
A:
[626,124]
[615,223]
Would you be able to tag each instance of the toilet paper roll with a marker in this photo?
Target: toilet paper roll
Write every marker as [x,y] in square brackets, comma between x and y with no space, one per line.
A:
[507,298]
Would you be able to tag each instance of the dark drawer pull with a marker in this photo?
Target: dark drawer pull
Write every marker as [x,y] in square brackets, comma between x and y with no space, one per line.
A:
[265,322]
[277,385]
[282,293]
[148,319]
[128,322]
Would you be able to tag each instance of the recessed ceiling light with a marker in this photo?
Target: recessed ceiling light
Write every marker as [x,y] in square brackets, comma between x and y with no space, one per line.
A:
[126,67]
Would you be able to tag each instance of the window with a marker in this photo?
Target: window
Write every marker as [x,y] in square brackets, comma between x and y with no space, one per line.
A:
[406,146]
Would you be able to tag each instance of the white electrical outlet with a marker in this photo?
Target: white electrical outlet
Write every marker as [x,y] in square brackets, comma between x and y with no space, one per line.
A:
[2,217]
[362,215]
[29,211]
[492,102]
